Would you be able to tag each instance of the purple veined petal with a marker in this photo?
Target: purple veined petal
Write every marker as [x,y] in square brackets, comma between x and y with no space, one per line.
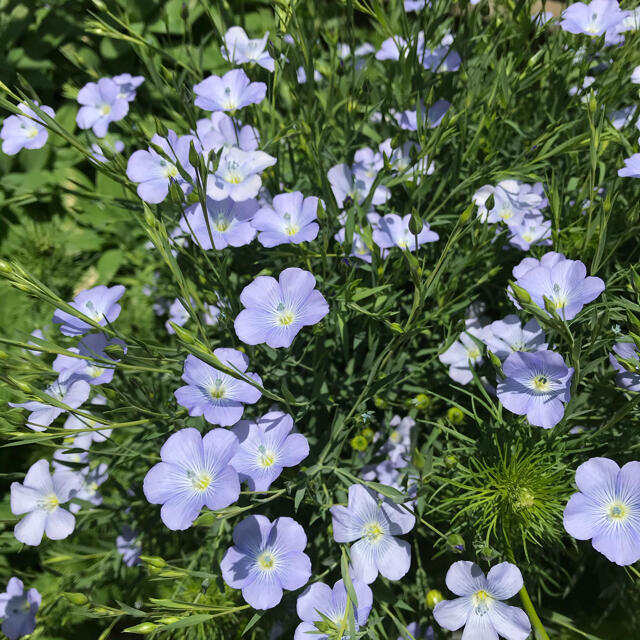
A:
[219,445]
[263,292]
[236,568]
[296,284]
[190,397]
[399,519]
[364,561]
[286,532]
[183,448]
[465,578]
[179,512]
[281,335]
[393,557]
[40,420]
[31,528]
[597,478]
[233,358]
[144,166]
[251,533]
[295,571]
[245,190]
[345,527]
[504,580]
[39,478]
[264,592]
[479,627]
[620,544]
[583,517]
[15,627]
[509,622]
[294,450]
[196,370]
[453,614]
[628,482]
[514,396]
[161,482]
[59,524]
[277,426]
[23,499]
[315,598]
[253,325]
[544,412]
[224,413]
[66,483]
[315,308]
[153,191]
[224,490]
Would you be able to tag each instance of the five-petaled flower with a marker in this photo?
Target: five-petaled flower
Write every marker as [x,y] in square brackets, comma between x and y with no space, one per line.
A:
[232,91]
[101,103]
[99,303]
[24,132]
[18,609]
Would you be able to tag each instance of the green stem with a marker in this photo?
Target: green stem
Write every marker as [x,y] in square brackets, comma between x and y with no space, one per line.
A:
[539,629]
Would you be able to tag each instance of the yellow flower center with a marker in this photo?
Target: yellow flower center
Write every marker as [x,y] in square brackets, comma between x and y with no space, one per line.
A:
[217,390]
[481,601]
[221,225]
[266,457]
[32,132]
[541,383]
[372,532]
[105,109]
[266,561]
[50,502]
[394,437]
[617,511]
[200,481]
[170,171]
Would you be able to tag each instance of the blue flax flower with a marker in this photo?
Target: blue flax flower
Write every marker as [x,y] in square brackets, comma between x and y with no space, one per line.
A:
[393,231]
[101,103]
[98,303]
[607,509]
[194,472]
[127,85]
[592,19]
[276,310]
[266,558]
[230,92]
[219,397]
[18,609]
[24,132]
[536,385]
[373,526]
[505,336]
[480,608]
[220,131]
[625,378]
[320,598]
[240,49]
[266,447]
[128,546]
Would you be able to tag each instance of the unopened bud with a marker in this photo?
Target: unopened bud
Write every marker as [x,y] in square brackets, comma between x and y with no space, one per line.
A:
[143,629]
[433,597]
[78,599]
[154,561]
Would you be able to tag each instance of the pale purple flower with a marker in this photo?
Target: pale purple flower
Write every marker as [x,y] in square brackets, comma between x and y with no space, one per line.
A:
[211,314]
[505,336]
[194,472]
[480,608]
[80,422]
[98,303]
[127,85]
[266,558]
[408,119]
[373,527]
[391,48]
[442,59]
[367,162]
[513,200]
[237,175]
[301,75]
[276,310]
[155,172]
[464,354]
[178,314]
[620,118]
[290,219]
[401,161]
[631,167]
[534,230]
[40,497]
[220,130]
[36,333]
[101,103]
[415,5]
[229,223]
[607,509]
[565,284]
[398,446]
[418,632]
[98,152]
[625,379]
[320,598]
[635,75]
[72,393]
[349,186]
[592,19]
[393,231]
[359,248]
[128,546]
[73,455]
[240,49]
[548,260]
[536,385]
[18,609]
[91,479]
[266,447]
[24,132]
[91,346]
[230,92]
[216,395]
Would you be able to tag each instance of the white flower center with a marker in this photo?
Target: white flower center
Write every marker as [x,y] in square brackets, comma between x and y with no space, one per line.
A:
[200,480]
[617,512]
[284,316]
[481,601]
[218,389]
[49,502]
[266,457]
[372,532]
[266,561]
[105,109]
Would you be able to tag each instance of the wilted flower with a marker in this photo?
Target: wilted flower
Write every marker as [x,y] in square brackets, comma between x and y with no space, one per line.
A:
[607,509]
[219,397]
[442,58]
[229,223]
[592,19]
[320,605]
[480,608]
[354,186]
[565,284]
[40,497]
[71,392]
[102,103]
[155,172]
[372,526]
[266,447]
[463,354]
[289,220]
[24,132]
[220,131]
[127,85]
[230,92]
[276,310]
[91,346]
[266,558]
[237,175]
[393,231]
[18,609]
[98,303]
[536,385]
[239,49]
[505,336]
[128,546]
[194,472]
[626,379]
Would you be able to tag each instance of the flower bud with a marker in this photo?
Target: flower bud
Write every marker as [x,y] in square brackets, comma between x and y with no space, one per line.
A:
[5,267]
[143,629]
[183,334]
[456,542]
[422,402]
[359,443]
[521,295]
[455,415]
[78,599]
[154,561]
[381,403]
[450,461]
[433,597]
